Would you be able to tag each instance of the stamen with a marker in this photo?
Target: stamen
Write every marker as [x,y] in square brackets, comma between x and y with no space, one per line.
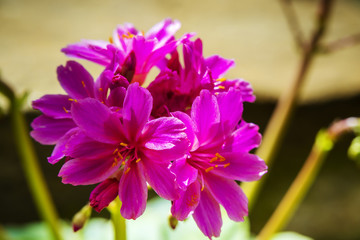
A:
[128,35]
[111,40]
[123,144]
[101,89]
[127,170]
[221,87]
[115,151]
[120,156]
[138,160]
[221,158]
[221,80]
[226,165]
[72,100]
[209,169]
[83,83]
[214,159]
[115,162]
[65,110]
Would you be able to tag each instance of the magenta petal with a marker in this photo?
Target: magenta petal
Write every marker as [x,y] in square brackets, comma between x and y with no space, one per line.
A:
[132,193]
[104,194]
[88,171]
[81,146]
[102,84]
[75,80]
[207,215]
[205,113]
[48,130]
[189,200]
[137,108]
[61,145]
[231,108]
[97,121]
[190,129]
[163,31]
[218,65]
[116,97]
[92,50]
[55,106]
[241,85]
[163,133]
[229,194]
[242,166]
[184,172]
[161,179]
[244,139]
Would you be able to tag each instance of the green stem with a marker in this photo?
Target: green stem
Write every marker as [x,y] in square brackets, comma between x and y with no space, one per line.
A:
[290,202]
[117,220]
[279,121]
[30,163]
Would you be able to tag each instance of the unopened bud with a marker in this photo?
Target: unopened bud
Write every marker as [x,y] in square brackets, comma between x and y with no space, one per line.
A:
[81,217]
[173,221]
[354,150]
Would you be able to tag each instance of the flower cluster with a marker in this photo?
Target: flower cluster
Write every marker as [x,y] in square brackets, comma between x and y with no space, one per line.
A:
[183,135]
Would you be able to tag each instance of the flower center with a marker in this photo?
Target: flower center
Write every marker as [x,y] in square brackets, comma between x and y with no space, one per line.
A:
[207,162]
[126,154]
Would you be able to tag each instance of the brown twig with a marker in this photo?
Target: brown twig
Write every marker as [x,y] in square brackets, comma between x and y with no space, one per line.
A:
[277,125]
[341,43]
[293,23]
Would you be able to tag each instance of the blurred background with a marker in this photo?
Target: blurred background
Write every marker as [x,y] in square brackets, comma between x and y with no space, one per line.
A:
[252,32]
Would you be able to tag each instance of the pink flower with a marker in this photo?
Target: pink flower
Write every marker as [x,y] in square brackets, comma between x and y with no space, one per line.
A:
[176,87]
[127,147]
[219,155]
[56,125]
[148,49]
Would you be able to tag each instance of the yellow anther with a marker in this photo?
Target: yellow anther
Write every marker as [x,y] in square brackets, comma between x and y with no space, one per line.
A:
[123,162]
[120,156]
[65,110]
[111,40]
[83,83]
[129,35]
[221,158]
[138,160]
[226,165]
[216,166]
[115,162]
[209,169]
[115,151]
[101,89]
[127,170]
[213,159]
[221,87]
[72,100]
[221,80]
[123,144]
